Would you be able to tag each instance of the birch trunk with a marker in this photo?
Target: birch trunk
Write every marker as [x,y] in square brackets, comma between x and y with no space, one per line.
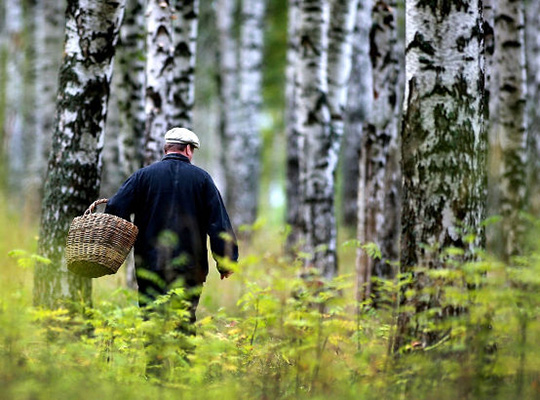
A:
[317,146]
[73,176]
[494,152]
[293,172]
[533,84]
[342,24]
[159,66]
[443,149]
[243,188]
[48,39]
[13,123]
[511,131]
[379,216]
[228,81]
[185,22]
[130,82]
[359,101]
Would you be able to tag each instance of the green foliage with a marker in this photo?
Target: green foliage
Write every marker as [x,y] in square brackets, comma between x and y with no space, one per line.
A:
[287,337]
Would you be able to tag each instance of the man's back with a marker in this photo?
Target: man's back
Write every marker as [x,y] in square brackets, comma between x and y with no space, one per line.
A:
[176,204]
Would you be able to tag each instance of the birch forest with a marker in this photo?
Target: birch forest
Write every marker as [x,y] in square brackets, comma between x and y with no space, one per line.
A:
[380,164]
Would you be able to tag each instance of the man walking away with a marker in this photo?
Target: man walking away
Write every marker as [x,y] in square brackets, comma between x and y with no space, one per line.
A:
[176,205]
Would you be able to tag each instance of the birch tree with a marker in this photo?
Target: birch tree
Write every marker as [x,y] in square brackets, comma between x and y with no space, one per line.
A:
[379,181]
[443,150]
[48,39]
[359,105]
[159,66]
[533,84]
[247,141]
[130,81]
[240,61]
[319,107]
[511,130]
[227,88]
[13,119]
[74,169]
[293,156]
[185,23]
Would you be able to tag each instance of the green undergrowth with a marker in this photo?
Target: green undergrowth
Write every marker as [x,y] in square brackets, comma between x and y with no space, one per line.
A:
[267,334]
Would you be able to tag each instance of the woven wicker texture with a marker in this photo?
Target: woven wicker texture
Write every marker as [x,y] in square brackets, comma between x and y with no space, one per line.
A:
[98,244]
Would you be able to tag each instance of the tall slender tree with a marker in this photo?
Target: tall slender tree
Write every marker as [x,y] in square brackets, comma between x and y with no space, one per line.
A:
[185,23]
[73,175]
[13,119]
[228,89]
[244,189]
[293,156]
[443,150]
[379,181]
[48,39]
[130,83]
[359,103]
[319,107]
[511,130]
[159,67]
[533,84]
[241,97]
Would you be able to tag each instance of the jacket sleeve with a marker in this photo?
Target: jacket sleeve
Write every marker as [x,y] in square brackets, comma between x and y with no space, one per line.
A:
[122,204]
[223,241]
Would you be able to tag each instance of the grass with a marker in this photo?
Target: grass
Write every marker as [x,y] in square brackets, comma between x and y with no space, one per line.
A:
[266,334]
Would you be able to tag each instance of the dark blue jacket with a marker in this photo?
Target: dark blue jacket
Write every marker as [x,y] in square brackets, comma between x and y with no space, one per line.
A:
[176,204]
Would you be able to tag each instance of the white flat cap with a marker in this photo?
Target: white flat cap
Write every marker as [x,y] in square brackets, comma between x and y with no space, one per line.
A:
[182,136]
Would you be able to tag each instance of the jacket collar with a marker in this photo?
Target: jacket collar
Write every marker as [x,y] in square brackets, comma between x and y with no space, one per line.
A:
[175,156]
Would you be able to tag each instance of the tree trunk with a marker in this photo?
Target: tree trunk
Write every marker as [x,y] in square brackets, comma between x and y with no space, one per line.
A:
[379,187]
[159,66]
[130,81]
[443,150]
[13,123]
[533,84]
[48,39]
[74,169]
[244,190]
[293,172]
[228,93]
[185,22]
[359,101]
[511,131]
[317,147]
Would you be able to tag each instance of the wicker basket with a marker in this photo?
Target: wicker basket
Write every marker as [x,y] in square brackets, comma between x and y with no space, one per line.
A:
[98,244]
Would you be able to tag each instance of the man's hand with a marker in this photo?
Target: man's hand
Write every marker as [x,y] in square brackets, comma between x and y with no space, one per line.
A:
[226,274]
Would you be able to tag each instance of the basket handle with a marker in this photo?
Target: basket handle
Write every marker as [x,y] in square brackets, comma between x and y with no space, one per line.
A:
[93,206]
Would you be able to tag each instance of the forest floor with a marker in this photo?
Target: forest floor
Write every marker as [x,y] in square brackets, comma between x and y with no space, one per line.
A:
[266,334]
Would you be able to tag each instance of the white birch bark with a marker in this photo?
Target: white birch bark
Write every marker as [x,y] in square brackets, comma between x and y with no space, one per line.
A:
[13,123]
[159,66]
[492,121]
[378,218]
[228,94]
[359,104]
[511,130]
[316,144]
[443,148]
[342,23]
[130,83]
[293,172]
[73,175]
[48,39]
[533,84]
[245,144]
[185,23]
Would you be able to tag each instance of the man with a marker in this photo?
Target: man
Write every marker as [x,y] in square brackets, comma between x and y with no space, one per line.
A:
[176,205]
